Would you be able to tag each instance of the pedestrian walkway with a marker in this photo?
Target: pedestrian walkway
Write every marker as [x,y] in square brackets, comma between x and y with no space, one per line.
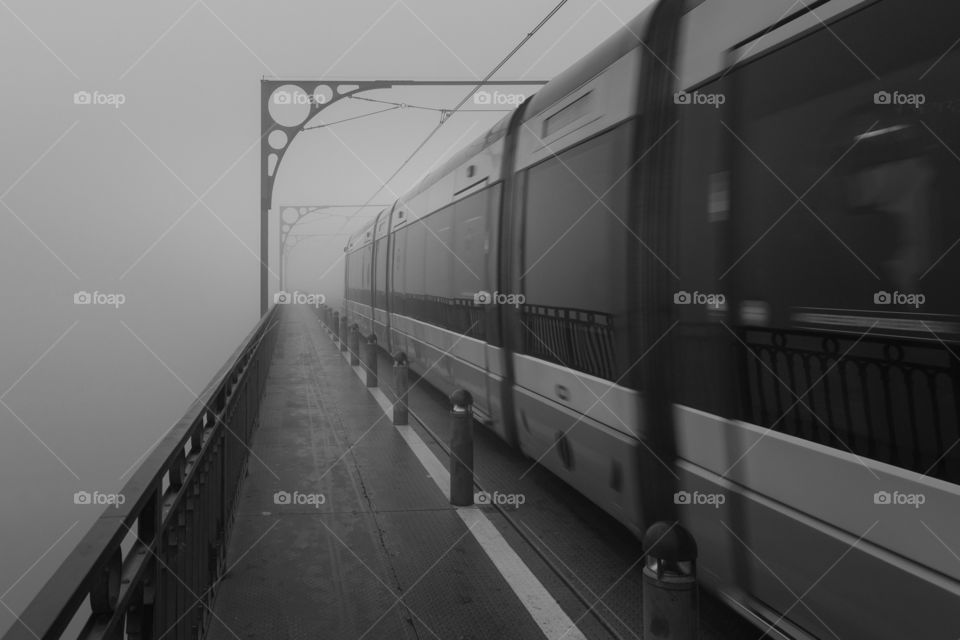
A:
[344,529]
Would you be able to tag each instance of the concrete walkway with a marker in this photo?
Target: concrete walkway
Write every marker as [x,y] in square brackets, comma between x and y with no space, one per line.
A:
[359,542]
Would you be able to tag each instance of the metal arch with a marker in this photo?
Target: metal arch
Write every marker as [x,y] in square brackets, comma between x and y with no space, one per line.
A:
[268,125]
[339,89]
[302,211]
[285,229]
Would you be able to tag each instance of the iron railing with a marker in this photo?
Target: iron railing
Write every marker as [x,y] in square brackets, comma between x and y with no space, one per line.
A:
[178,514]
[888,399]
[460,315]
[575,338]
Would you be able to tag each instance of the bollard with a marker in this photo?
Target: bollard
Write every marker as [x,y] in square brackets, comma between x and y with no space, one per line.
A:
[343,332]
[354,345]
[370,360]
[401,387]
[671,601]
[333,327]
[461,448]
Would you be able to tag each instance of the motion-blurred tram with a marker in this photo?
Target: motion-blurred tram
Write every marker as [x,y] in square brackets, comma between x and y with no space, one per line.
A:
[737,221]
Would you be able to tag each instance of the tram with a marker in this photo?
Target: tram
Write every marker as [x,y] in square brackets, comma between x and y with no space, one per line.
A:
[734,222]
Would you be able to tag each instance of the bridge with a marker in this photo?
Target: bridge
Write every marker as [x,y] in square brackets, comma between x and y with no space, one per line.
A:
[288,504]
[771,455]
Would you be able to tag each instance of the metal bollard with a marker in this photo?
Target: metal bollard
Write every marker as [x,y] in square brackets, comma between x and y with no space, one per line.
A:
[671,600]
[354,345]
[343,332]
[401,387]
[335,323]
[371,356]
[461,448]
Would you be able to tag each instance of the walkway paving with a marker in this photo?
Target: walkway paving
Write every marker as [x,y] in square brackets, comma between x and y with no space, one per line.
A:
[367,546]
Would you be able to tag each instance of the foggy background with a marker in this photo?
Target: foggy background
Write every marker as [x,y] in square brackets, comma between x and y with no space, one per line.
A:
[157,199]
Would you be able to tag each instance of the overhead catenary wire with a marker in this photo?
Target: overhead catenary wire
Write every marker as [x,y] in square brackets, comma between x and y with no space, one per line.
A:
[444,112]
[362,115]
[480,83]
[407,105]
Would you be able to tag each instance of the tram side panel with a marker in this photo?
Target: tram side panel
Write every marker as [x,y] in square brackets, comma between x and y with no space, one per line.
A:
[575,413]
[839,200]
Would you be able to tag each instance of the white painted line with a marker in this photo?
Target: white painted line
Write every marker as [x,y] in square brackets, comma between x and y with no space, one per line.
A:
[542,607]
[546,612]
[382,400]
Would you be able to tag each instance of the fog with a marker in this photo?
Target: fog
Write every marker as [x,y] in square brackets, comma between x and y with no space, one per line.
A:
[149,198]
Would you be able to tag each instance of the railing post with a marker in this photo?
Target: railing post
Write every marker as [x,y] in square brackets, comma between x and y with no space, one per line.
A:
[106,590]
[334,326]
[401,387]
[371,356]
[354,345]
[139,616]
[671,601]
[461,448]
[343,332]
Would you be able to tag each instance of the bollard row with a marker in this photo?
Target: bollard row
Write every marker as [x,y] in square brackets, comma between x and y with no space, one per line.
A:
[461,448]
[401,385]
[354,344]
[671,604]
[370,360]
[671,600]
[325,316]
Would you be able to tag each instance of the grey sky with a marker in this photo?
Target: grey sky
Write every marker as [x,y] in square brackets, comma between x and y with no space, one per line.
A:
[104,198]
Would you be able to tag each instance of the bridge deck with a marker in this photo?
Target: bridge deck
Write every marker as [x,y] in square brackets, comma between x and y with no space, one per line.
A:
[385,555]
[384,532]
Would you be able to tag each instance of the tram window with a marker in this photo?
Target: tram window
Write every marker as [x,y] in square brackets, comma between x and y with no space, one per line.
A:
[860,124]
[398,289]
[575,235]
[353,275]
[568,115]
[470,248]
[366,281]
[866,142]
[469,244]
[438,254]
[413,266]
[381,268]
[358,275]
